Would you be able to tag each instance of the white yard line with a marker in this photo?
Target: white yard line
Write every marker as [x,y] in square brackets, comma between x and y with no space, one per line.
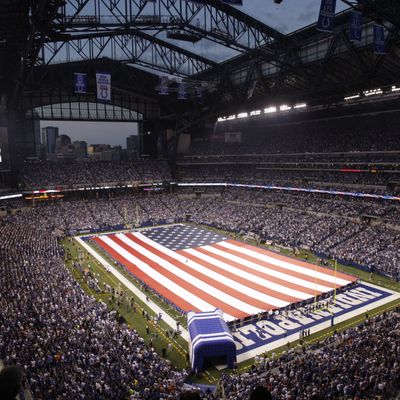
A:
[126,282]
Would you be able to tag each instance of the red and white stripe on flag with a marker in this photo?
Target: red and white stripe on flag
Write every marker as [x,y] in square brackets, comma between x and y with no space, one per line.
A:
[240,279]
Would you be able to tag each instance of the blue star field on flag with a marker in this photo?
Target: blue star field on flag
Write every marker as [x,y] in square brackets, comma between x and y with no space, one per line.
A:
[179,237]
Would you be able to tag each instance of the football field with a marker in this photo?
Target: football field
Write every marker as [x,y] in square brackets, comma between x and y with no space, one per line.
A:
[196,269]
[199,270]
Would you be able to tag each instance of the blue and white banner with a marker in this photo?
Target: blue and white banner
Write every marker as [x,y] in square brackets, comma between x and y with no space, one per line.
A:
[103,83]
[182,93]
[163,87]
[379,40]
[234,2]
[80,83]
[355,26]
[326,16]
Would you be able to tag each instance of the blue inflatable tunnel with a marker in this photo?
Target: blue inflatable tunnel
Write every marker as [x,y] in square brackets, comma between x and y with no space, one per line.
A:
[210,338]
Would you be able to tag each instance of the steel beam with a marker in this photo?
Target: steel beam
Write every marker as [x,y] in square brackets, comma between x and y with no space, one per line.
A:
[212,19]
[128,46]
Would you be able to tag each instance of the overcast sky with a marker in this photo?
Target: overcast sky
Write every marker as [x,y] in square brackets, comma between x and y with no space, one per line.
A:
[287,17]
[114,133]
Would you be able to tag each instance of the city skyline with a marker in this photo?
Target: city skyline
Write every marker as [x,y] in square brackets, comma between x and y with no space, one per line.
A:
[112,133]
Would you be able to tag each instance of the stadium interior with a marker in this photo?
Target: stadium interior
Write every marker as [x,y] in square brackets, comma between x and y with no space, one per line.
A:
[246,242]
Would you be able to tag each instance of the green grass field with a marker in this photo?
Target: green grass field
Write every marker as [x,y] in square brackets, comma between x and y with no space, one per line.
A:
[158,333]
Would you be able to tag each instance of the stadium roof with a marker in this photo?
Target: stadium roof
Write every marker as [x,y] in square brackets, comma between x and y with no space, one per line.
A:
[269,65]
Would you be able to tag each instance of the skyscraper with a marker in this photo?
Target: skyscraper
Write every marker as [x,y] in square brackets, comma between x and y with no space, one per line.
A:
[49,136]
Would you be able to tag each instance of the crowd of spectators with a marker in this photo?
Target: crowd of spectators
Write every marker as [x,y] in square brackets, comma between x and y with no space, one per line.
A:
[363,153]
[45,174]
[343,228]
[356,134]
[350,229]
[299,177]
[70,346]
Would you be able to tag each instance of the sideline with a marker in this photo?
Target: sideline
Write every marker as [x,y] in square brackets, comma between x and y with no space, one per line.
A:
[165,317]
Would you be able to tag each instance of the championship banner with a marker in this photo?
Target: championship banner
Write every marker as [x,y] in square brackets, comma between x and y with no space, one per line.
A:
[326,16]
[80,83]
[355,26]
[379,40]
[182,93]
[103,82]
[163,87]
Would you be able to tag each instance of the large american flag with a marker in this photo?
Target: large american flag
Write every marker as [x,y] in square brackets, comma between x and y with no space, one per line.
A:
[200,270]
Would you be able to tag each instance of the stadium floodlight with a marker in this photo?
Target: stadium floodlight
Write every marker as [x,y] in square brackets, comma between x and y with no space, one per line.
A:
[255,112]
[231,117]
[269,110]
[372,92]
[284,107]
[221,119]
[352,97]
[395,89]
[301,105]
[10,196]
[243,115]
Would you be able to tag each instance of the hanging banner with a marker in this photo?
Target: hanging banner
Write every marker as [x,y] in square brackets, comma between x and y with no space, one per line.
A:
[326,16]
[251,89]
[103,82]
[379,40]
[355,26]
[182,93]
[163,87]
[80,83]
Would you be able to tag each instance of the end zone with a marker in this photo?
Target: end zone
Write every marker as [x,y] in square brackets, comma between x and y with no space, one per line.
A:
[271,333]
